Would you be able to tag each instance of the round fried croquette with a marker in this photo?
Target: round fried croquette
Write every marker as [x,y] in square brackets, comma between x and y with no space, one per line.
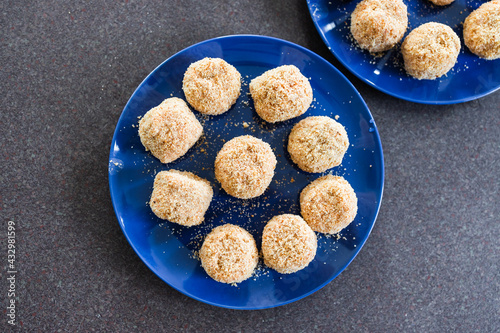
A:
[211,85]
[430,51]
[180,197]
[328,204]
[288,243]
[378,25]
[281,93]
[441,2]
[169,130]
[317,144]
[245,166]
[229,254]
[482,31]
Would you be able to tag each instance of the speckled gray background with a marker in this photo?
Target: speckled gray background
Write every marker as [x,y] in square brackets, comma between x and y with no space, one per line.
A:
[67,68]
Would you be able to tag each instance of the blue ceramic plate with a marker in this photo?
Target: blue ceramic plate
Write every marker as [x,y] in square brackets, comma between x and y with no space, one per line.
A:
[471,78]
[169,249]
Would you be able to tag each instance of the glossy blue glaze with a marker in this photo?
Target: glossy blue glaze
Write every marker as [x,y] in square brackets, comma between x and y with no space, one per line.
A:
[168,249]
[470,78]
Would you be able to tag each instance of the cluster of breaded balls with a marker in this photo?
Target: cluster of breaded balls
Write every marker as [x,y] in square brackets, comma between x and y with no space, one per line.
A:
[245,167]
[430,50]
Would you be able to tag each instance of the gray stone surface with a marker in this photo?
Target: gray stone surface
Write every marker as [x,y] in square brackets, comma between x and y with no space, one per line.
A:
[67,69]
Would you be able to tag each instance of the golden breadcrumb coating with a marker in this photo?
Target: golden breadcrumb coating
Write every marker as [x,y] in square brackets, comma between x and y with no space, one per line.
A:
[245,166]
[378,25]
[441,2]
[328,204]
[169,130]
[211,85]
[430,51]
[482,31]
[288,243]
[229,254]
[317,144]
[281,93]
[180,197]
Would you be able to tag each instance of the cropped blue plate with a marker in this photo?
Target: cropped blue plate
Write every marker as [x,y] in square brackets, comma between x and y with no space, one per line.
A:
[169,249]
[471,78]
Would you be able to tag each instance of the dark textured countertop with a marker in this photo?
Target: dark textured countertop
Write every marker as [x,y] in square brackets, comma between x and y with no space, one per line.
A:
[67,69]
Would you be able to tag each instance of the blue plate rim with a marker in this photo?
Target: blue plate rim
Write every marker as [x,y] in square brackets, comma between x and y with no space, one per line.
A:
[377,140]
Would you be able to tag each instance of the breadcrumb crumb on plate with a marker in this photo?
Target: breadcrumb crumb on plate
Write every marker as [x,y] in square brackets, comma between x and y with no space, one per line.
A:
[171,250]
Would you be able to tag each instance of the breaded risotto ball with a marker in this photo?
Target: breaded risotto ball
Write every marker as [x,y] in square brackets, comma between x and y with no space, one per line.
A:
[288,243]
[317,144]
[441,2]
[328,204]
[482,30]
[180,197]
[229,254]
[245,166]
[430,51]
[211,85]
[378,25]
[169,130]
[281,93]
